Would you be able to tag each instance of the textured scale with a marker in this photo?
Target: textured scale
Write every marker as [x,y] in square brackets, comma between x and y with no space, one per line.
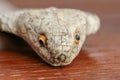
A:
[56,35]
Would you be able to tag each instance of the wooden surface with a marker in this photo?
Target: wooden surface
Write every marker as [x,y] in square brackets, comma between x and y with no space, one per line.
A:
[99,59]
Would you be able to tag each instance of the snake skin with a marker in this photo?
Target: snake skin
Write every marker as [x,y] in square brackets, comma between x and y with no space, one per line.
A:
[58,25]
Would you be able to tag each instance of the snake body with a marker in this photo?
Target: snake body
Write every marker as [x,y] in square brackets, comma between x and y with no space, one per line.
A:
[56,35]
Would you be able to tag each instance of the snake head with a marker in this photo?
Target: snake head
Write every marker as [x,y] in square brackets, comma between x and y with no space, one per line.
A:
[56,35]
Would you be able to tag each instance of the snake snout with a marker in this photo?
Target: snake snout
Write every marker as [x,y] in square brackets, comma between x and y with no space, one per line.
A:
[59,60]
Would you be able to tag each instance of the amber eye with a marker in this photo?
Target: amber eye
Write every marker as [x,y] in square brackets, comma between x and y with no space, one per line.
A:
[77,38]
[42,39]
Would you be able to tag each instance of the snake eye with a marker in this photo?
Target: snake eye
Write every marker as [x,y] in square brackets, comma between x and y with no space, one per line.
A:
[77,38]
[42,39]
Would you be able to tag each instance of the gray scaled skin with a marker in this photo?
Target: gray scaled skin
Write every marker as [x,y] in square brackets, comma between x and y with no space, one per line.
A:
[61,27]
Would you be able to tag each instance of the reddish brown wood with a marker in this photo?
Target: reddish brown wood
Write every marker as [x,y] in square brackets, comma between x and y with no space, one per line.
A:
[98,60]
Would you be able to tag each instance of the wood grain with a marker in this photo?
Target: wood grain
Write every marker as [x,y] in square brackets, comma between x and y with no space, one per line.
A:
[98,60]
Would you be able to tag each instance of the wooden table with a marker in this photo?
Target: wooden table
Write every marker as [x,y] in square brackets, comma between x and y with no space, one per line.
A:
[99,59]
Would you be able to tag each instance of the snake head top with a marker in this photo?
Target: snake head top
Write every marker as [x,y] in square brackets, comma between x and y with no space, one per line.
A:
[56,35]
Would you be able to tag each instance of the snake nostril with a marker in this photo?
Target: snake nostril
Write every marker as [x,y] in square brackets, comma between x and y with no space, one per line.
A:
[52,60]
[61,58]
